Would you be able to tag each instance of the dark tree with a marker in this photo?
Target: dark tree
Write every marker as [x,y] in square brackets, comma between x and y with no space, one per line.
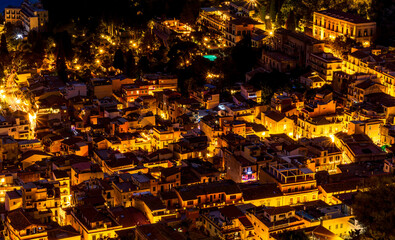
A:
[64,47]
[291,21]
[375,208]
[130,66]
[273,9]
[2,75]
[61,68]
[119,62]
[86,55]
[144,64]
[3,45]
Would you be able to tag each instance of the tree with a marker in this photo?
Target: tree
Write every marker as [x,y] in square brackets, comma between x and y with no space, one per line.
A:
[119,62]
[291,21]
[375,208]
[273,10]
[3,45]
[2,75]
[144,64]
[130,66]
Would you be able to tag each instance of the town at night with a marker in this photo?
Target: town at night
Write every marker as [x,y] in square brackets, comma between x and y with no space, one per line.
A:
[197,119]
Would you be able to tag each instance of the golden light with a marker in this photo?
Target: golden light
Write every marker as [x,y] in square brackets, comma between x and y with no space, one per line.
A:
[97,61]
[18,101]
[332,138]
[134,45]
[205,39]
[101,50]
[271,33]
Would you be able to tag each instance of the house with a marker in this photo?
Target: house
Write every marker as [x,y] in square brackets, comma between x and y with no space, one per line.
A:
[277,123]
[228,222]
[30,157]
[209,194]
[13,200]
[153,208]
[297,184]
[325,64]
[93,224]
[20,225]
[240,169]
[359,148]
[84,171]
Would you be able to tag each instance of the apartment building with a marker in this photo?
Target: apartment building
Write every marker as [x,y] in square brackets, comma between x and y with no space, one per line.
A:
[325,64]
[239,28]
[297,184]
[296,45]
[31,17]
[329,24]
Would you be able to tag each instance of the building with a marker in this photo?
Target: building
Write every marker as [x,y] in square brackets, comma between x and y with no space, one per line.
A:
[296,45]
[240,169]
[31,17]
[153,208]
[20,225]
[215,18]
[274,60]
[312,127]
[329,24]
[209,194]
[277,123]
[227,223]
[84,171]
[359,148]
[239,28]
[370,127]
[297,184]
[249,92]
[273,220]
[325,64]
[94,224]
[9,151]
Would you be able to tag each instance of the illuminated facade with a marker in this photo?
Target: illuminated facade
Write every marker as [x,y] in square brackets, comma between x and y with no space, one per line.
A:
[29,16]
[329,24]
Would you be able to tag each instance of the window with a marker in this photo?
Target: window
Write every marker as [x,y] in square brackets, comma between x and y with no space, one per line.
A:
[190,203]
[233,197]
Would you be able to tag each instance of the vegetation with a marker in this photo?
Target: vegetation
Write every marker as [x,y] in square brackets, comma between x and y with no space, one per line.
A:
[374,209]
